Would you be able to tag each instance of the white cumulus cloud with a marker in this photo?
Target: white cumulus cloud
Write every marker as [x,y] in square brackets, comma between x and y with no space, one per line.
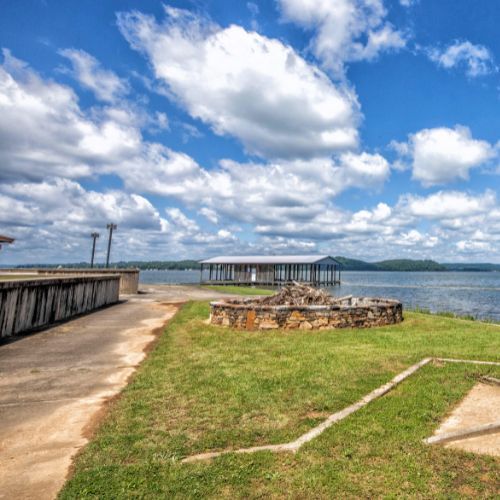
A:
[441,155]
[477,60]
[346,30]
[363,170]
[209,214]
[265,194]
[105,84]
[449,204]
[471,247]
[246,85]
[43,131]
[65,202]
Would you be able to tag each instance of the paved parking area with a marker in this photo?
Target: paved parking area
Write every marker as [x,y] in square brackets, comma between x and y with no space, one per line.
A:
[53,384]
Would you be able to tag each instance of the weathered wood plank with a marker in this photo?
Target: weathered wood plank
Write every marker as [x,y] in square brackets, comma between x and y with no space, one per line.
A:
[32,304]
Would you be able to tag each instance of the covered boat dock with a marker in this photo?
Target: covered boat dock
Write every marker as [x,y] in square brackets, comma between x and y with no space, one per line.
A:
[314,270]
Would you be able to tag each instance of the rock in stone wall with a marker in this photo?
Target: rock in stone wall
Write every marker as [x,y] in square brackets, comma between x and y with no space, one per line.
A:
[375,312]
[31,304]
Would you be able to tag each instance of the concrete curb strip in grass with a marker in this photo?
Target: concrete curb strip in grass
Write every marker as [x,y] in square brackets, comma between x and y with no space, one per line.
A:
[491,380]
[480,430]
[340,415]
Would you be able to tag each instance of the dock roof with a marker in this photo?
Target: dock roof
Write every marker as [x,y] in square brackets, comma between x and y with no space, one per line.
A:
[6,239]
[271,259]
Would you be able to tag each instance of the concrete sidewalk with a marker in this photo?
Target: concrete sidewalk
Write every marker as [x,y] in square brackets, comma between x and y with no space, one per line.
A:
[53,384]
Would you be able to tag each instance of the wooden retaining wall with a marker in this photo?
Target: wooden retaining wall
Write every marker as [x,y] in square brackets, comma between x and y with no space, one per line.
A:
[129,278]
[31,304]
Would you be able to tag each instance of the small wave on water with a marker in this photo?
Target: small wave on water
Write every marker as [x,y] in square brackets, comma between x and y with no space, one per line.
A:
[447,287]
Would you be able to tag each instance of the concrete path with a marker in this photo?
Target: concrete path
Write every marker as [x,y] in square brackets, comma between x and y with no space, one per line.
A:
[53,384]
[480,408]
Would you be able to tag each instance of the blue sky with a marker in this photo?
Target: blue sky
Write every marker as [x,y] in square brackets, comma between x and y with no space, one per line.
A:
[365,128]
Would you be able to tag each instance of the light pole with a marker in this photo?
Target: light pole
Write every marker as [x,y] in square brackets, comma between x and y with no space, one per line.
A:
[94,237]
[111,228]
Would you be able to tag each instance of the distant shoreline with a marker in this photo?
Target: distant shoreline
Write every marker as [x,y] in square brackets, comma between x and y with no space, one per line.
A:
[348,264]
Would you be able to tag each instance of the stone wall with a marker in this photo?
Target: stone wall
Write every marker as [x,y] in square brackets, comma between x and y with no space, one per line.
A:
[363,313]
[129,278]
[32,304]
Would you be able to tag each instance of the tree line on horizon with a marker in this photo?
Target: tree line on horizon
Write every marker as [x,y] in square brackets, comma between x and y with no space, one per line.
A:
[407,265]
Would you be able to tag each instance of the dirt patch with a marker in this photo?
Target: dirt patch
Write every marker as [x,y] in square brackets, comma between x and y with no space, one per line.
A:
[481,406]
[96,419]
[315,414]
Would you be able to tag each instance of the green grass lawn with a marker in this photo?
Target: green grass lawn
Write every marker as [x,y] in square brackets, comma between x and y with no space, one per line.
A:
[240,290]
[205,388]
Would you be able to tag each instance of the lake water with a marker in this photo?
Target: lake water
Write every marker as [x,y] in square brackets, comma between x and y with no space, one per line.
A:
[472,293]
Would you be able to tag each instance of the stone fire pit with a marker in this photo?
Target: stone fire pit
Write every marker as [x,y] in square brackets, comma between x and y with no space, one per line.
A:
[300,306]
